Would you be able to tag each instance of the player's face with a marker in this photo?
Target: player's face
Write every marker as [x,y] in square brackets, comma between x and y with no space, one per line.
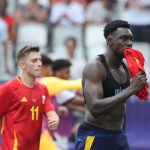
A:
[121,39]
[33,64]
[64,73]
[47,70]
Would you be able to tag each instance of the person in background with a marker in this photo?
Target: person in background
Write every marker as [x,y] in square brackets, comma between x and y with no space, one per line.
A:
[46,66]
[76,58]
[12,33]
[139,27]
[32,12]
[47,142]
[67,13]
[73,53]
[98,12]
[3,44]
[23,102]
[68,98]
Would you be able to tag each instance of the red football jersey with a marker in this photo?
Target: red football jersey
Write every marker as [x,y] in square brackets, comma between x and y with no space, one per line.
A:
[21,110]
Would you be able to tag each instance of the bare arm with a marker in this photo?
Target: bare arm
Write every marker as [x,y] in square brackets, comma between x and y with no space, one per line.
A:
[79,108]
[77,100]
[53,120]
[93,76]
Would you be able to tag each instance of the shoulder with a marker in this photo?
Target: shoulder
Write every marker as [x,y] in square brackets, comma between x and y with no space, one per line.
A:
[94,69]
[41,86]
[8,86]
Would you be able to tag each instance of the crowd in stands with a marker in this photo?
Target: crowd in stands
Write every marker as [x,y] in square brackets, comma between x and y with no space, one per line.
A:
[55,16]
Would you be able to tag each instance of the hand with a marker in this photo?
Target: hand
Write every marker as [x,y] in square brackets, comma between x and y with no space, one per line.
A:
[53,120]
[138,82]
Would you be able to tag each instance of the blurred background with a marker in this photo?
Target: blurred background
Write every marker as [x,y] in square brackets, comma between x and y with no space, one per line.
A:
[73,30]
[49,23]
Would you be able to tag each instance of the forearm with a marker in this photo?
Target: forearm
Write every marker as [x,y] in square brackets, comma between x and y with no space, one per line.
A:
[78,100]
[78,108]
[106,104]
[50,114]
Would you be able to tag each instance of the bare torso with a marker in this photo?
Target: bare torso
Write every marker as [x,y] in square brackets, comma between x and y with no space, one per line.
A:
[112,118]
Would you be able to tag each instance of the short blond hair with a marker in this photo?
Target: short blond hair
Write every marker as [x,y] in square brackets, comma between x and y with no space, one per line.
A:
[26,50]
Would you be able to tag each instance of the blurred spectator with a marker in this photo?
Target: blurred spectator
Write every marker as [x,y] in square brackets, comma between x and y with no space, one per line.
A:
[138,15]
[71,52]
[46,141]
[74,102]
[3,44]
[46,66]
[10,22]
[77,61]
[115,8]
[67,13]
[8,19]
[60,102]
[31,12]
[98,12]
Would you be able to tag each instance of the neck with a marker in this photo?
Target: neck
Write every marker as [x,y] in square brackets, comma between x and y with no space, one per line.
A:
[113,60]
[27,81]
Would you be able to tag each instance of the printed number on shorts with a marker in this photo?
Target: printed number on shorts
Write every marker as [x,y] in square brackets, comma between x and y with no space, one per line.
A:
[34,112]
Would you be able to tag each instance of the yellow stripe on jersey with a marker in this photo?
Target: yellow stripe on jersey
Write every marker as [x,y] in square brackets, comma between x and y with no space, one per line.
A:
[89,142]
[3,124]
[15,142]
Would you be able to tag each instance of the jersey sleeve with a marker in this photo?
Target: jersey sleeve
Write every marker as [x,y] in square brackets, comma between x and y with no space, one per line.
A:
[56,85]
[5,99]
[48,106]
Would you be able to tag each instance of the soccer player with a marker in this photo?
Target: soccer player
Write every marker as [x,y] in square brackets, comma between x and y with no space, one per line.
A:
[106,87]
[23,102]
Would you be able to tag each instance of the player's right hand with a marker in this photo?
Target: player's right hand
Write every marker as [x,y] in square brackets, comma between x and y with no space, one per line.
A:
[138,82]
[53,120]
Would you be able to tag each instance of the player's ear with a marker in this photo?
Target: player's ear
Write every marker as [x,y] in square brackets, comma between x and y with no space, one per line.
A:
[21,64]
[109,40]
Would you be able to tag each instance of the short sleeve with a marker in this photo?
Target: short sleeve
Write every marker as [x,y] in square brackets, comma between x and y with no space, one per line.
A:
[48,106]
[5,99]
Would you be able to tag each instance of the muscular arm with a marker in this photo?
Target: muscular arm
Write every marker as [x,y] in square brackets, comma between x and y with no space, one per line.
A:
[93,76]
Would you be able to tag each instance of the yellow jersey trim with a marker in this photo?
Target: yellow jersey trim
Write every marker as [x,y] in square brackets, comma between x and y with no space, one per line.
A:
[15,142]
[3,124]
